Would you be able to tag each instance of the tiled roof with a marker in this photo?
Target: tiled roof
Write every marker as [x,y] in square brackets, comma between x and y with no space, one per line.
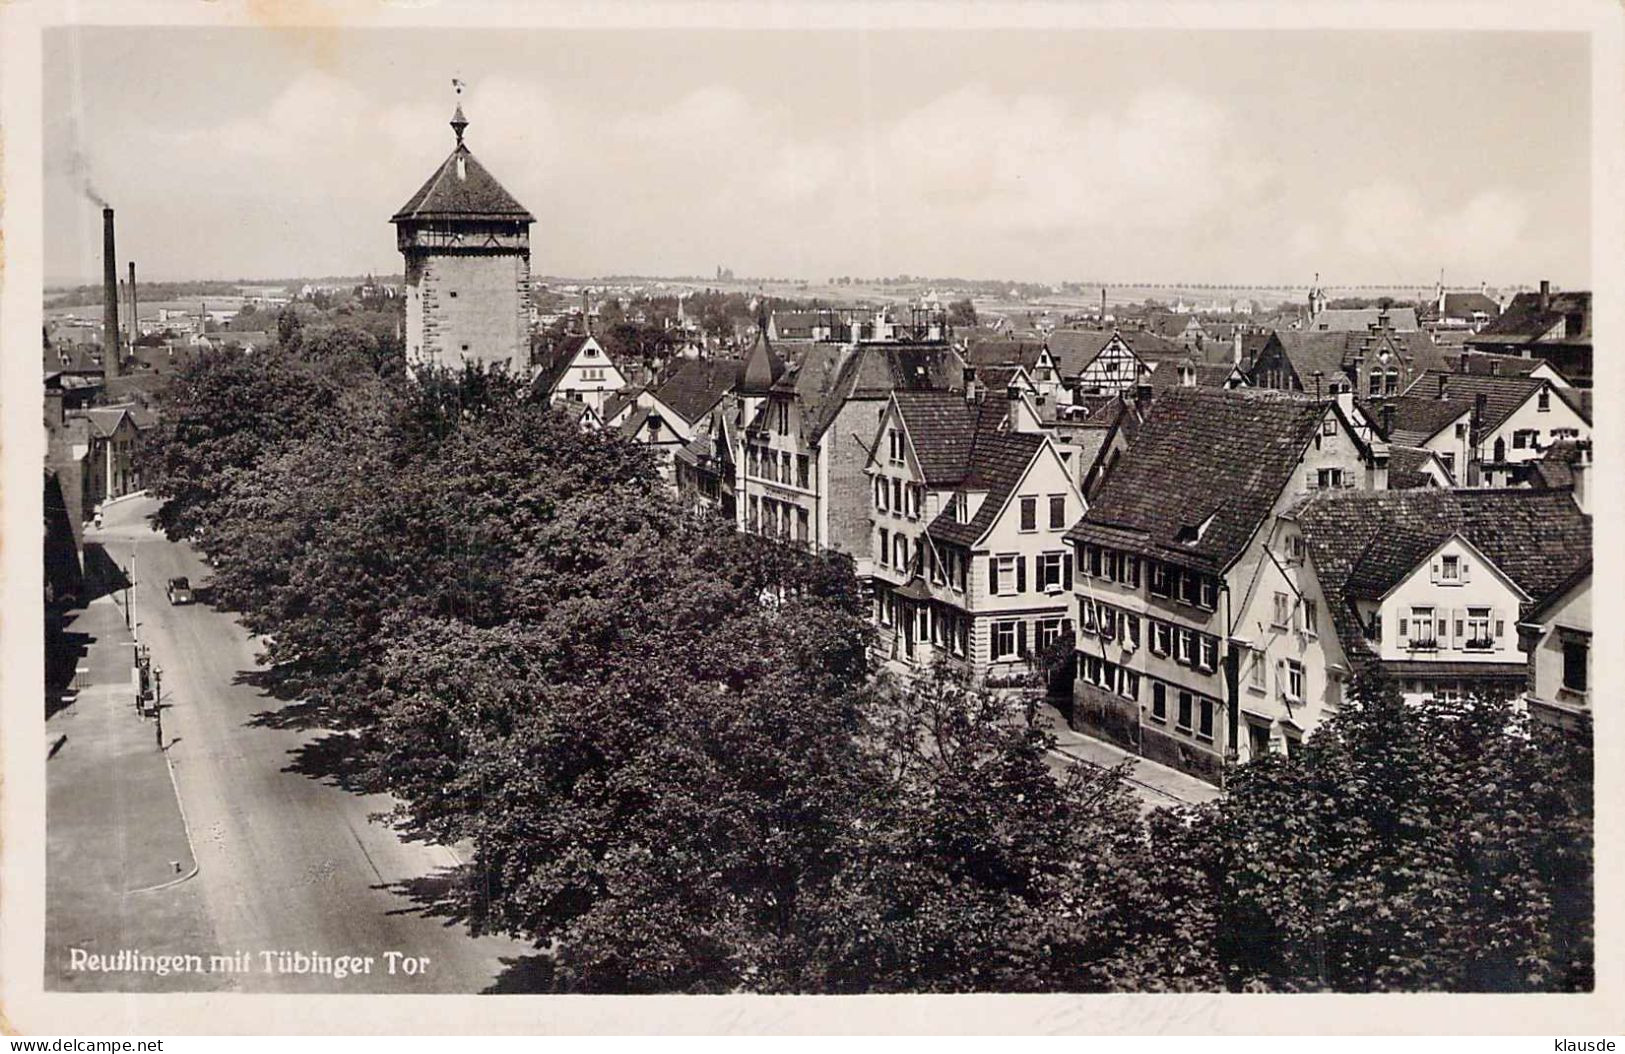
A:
[475,195]
[1075,349]
[104,420]
[1523,320]
[942,428]
[1208,374]
[1406,465]
[618,401]
[699,385]
[1363,543]
[996,465]
[1488,363]
[1502,395]
[1416,418]
[1169,325]
[1360,319]
[1003,352]
[870,371]
[1554,471]
[1203,456]
[1467,305]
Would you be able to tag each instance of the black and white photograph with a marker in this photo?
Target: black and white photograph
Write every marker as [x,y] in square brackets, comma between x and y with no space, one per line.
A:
[937,500]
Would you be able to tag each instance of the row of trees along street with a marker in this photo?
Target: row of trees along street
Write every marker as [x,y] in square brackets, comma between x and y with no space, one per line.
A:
[679,773]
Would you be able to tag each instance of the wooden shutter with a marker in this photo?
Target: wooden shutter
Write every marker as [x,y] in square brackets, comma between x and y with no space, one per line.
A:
[1066,571]
[1435,570]
[1021,574]
[993,575]
[1466,570]
[1403,634]
[1021,638]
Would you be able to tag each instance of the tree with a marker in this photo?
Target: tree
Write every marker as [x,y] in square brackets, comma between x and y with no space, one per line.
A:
[1436,847]
[962,313]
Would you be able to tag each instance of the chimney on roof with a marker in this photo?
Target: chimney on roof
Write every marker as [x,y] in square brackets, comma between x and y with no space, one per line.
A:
[1580,470]
[110,332]
[1444,380]
[1476,423]
[135,319]
[1235,347]
[1545,293]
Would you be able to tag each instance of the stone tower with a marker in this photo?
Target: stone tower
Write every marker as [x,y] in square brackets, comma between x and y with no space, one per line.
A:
[467,248]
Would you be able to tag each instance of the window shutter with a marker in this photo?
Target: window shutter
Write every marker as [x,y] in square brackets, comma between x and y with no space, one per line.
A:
[1066,631]
[1466,570]
[1021,638]
[1435,570]
[1460,635]
[1280,676]
[1404,634]
[1066,572]
[993,575]
[1021,574]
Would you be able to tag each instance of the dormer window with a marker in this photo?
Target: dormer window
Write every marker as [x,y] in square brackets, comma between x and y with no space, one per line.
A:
[1543,401]
[1450,569]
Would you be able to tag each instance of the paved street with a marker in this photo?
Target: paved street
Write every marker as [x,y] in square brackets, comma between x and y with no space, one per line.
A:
[287,859]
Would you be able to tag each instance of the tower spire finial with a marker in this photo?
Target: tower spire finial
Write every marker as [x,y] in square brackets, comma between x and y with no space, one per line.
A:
[458,121]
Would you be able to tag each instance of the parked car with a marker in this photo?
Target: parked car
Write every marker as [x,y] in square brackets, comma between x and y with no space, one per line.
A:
[179,590]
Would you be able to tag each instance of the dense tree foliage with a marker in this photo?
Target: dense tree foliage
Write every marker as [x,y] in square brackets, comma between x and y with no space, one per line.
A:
[675,769]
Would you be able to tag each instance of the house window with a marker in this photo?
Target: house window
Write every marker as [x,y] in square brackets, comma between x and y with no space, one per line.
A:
[900,547]
[896,441]
[1185,711]
[1256,671]
[1004,640]
[1160,585]
[1131,572]
[1209,594]
[1295,548]
[1449,461]
[897,496]
[1575,657]
[1450,569]
[1329,477]
[1002,575]
[1422,630]
[1293,686]
[1543,401]
[1311,617]
[885,545]
[1159,701]
[1049,630]
[802,465]
[1478,630]
[1204,727]
[882,492]
[1161,637]
[755,518]
[1185,643]
[1114,565]
[1208,652]
[1029,514]
[1283,611]
[1057,511]
[802,523]
[1049,571]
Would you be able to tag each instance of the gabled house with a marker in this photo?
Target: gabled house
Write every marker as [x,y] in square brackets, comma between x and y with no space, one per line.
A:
[705,470]
[1032,357]
[1372,363]
[1180,328]
[1511,421]
[1362,319]
[968,559]
[1469,360]
[577,368]
[114,435]
[1095,362]
[1173,545]
[666,418]
[1429,586]
[1411,467]
[1554,326]
[804,443]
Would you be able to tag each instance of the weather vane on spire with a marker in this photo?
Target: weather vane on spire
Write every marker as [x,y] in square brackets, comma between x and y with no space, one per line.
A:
[458,121]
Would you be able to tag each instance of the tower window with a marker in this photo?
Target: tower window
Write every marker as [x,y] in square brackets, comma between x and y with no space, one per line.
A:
[454,294]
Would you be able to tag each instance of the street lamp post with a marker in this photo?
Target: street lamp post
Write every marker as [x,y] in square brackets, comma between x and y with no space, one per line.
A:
[158,704]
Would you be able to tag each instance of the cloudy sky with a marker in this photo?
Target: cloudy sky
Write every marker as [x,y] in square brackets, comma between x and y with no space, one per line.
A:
[1047,155]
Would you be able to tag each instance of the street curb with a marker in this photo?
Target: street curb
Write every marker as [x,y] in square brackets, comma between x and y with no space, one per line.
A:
[186,826]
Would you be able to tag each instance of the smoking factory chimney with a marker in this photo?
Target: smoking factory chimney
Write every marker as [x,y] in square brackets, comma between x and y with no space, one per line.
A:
[110,333]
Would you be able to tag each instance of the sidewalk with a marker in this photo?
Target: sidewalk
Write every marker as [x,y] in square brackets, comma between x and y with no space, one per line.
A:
[115,834]
[1156,784]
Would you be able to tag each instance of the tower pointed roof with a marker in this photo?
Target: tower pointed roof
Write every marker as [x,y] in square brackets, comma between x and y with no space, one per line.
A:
[462,189]
[763,367]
